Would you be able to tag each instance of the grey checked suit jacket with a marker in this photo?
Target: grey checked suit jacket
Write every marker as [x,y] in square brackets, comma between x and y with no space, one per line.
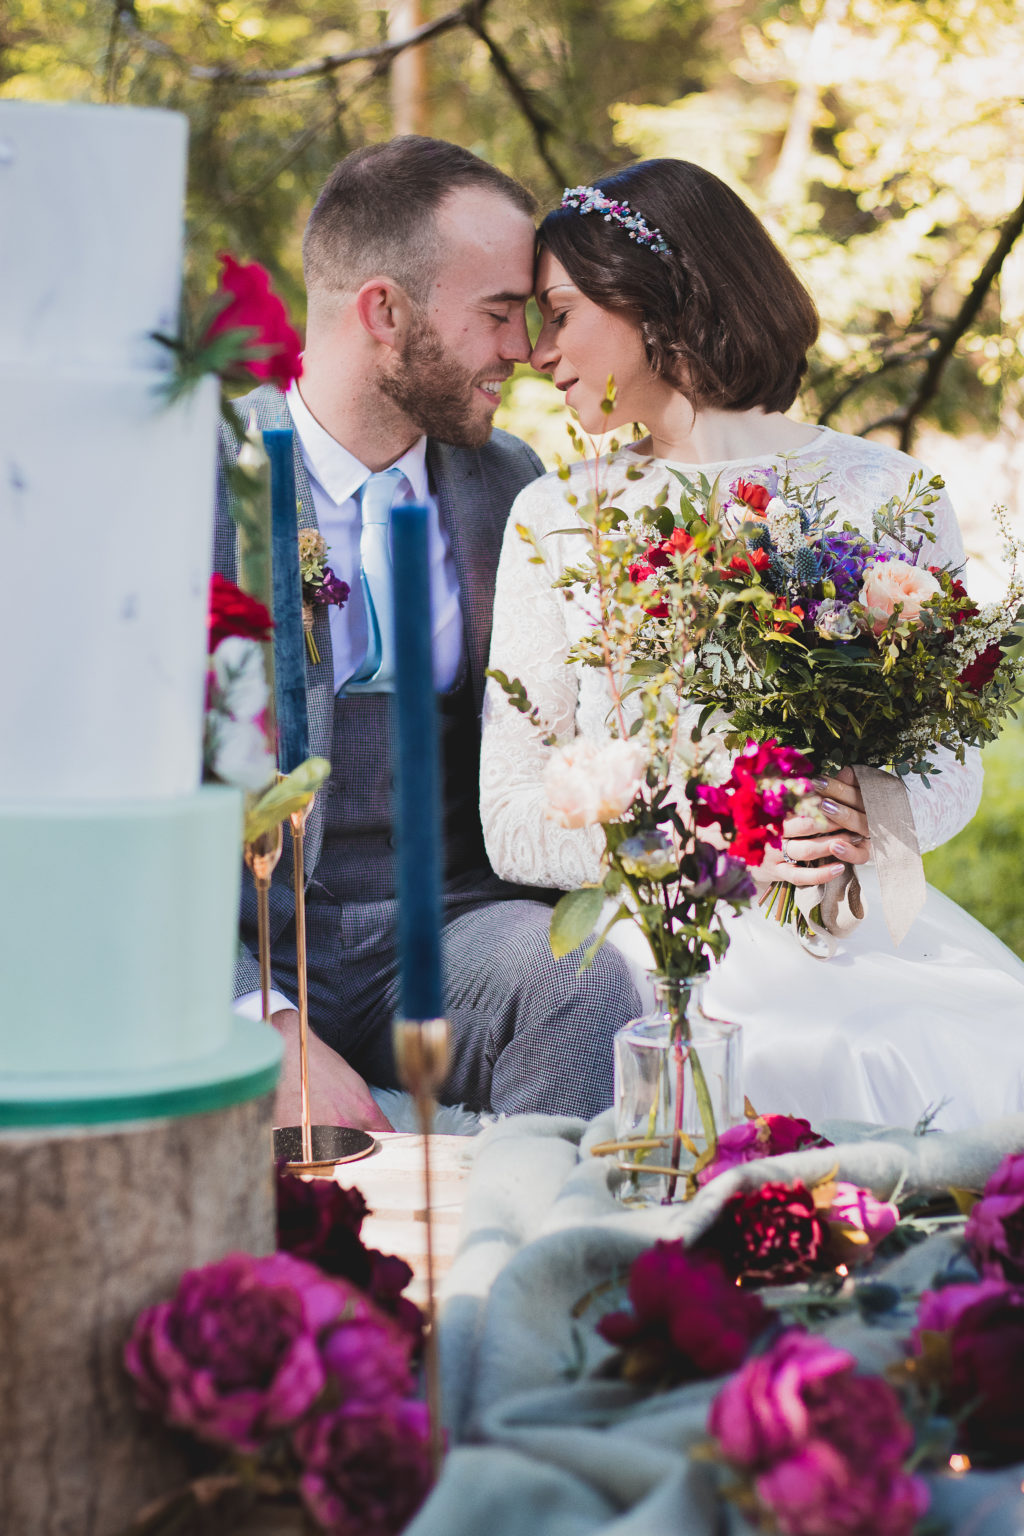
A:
[475,489]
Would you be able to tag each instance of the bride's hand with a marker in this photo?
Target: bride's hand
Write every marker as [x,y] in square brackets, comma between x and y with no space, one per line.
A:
[840,832]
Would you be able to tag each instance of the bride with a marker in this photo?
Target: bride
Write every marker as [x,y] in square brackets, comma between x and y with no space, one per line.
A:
[662,277]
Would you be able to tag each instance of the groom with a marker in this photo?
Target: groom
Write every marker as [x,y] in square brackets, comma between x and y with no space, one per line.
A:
[418,261]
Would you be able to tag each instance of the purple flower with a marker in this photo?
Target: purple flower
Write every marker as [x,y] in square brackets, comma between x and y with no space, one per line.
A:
[235,1356]
[688,1318]
[367,1359]
[995,1227]
[365,1473]
[720,876]
[331,590]
[843,559]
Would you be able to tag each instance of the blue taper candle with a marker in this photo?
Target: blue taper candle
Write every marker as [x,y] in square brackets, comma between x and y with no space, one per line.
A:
[289,640]
[417,771]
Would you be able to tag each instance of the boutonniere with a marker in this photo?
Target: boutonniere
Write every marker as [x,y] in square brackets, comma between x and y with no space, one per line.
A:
[319,583]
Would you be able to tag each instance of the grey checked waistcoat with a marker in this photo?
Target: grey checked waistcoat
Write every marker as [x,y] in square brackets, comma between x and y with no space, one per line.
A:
[475,488]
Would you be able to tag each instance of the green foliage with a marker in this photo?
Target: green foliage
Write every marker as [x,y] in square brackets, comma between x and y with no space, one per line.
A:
[981,868]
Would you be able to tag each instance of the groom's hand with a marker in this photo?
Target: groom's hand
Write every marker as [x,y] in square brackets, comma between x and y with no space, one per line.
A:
[337,1094]
[838,831]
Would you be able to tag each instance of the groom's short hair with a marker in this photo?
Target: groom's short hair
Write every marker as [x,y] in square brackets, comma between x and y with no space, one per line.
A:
[377,213]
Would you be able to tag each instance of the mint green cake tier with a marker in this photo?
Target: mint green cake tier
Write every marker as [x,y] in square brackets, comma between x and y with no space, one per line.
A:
[118,934]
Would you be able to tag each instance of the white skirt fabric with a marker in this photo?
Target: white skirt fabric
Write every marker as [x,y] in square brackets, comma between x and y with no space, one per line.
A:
[876,1033]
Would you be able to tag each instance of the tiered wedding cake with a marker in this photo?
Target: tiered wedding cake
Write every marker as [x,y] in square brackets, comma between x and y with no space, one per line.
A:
[118,874]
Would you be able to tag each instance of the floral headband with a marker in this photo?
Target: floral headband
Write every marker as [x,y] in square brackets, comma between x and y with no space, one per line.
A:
[593,200]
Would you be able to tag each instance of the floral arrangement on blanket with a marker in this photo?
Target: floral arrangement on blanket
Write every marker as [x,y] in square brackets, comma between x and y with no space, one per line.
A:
[295,1372]
[806,1443]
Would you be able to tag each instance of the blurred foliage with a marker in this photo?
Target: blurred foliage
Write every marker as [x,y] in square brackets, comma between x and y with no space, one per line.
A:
[883,140]
[981,867]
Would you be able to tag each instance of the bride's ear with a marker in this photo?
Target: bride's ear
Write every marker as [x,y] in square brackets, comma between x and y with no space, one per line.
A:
[384,311]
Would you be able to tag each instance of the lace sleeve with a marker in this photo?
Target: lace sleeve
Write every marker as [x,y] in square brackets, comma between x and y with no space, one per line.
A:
[944,806]
[530,641]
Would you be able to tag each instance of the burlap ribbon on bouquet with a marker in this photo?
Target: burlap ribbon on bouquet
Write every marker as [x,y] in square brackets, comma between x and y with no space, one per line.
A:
[839,906]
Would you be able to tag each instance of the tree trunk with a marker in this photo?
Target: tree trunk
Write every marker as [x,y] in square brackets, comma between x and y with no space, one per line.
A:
[94,1226]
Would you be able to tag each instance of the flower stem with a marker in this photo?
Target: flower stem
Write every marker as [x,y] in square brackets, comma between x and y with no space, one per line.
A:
[314,654]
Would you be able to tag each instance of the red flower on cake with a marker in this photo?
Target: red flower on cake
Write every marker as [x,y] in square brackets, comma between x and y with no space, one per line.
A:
[273,351]
[234,612]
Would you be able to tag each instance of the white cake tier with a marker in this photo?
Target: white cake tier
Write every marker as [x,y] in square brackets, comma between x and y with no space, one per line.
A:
[106,499]
[91,202]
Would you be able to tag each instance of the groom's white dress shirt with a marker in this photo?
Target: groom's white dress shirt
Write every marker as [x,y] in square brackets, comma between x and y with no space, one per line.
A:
[336,478]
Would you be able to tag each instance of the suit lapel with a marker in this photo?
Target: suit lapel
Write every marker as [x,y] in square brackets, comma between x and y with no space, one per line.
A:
[473,524]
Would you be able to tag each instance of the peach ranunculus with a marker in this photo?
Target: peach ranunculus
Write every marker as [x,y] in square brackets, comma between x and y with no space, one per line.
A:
[894,581]
[587,783]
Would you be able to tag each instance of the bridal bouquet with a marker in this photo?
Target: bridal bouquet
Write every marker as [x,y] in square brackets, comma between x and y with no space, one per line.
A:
[851,649]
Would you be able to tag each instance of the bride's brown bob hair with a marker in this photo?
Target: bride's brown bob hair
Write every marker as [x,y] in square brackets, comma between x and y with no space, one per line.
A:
[722,314]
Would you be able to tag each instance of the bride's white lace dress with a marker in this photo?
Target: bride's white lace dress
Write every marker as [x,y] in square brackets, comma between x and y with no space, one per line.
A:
[877,1033]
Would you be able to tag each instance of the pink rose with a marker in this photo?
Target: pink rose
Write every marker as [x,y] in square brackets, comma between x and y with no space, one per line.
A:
[857,1222]
[764,1136]
[587,783]
[995,1227]
[892,582]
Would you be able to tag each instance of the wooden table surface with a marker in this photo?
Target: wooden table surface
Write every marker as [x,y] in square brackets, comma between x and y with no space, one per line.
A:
[391,1181]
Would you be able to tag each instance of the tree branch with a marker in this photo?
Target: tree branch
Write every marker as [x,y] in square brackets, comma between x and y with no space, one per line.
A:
[540,124]
[379,53]
[906,418]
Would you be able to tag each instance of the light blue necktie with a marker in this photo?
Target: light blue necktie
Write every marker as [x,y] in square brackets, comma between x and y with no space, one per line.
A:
[376,672]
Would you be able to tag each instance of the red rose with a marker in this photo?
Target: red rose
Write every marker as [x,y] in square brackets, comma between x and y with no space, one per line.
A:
[252,306]
[234,612]
[980,672]
[754,496]
[771,1234]
[756,560]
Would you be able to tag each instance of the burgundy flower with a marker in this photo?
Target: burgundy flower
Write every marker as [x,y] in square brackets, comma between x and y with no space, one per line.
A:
[825,1445]
[365,1473]
[763,1136]
[234,612]
[937,1311]
[688,1318]
[235,1356]
[980,672]
[995,1227]
[253,307]
[320,1222]
[986,1371]
[772,1234]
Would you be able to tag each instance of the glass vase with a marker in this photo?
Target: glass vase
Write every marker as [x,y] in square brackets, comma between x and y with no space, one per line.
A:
[677,1087]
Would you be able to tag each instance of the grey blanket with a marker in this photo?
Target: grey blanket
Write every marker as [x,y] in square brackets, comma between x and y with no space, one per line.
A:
[540,1448]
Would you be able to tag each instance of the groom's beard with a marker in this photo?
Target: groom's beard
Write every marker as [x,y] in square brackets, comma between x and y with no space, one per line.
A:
[436,392]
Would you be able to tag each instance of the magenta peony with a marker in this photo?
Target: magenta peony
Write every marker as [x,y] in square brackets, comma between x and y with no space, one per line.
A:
[937,1311]
[688,1318]
[235,1356]
[763,1136]
[825,1446]
[995,1227]
[365,1473]
[367,1360]
[770,1234]
[986,1372]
